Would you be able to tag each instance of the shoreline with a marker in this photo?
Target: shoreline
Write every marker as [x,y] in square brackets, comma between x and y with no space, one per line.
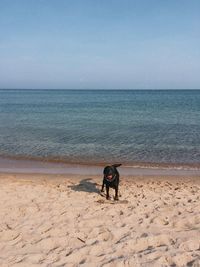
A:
[89,162]
[9,165]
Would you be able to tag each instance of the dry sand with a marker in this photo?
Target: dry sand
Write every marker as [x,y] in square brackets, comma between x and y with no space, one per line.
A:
[58,221]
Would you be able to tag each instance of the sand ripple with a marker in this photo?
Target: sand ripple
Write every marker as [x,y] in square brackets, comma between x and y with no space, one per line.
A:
[68,223]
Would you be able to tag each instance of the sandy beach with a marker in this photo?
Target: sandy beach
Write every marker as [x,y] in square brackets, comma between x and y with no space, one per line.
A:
[57,220]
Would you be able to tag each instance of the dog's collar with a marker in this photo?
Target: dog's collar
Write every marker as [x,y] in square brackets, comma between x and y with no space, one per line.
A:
[110,180]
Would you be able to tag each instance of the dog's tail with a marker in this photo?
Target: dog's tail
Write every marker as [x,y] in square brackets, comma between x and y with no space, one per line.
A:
[116,165]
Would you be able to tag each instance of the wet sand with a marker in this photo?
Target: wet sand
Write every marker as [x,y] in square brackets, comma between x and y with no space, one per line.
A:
[17,165]
[63,220]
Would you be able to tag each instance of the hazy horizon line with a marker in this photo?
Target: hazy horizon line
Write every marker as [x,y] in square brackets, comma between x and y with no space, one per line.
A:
[104,89]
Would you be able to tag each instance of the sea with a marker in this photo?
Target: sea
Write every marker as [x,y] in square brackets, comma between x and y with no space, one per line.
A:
[145,128]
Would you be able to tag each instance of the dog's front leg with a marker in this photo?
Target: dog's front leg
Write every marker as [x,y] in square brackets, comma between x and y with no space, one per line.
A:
[107,192]
[102,188]
[116,193]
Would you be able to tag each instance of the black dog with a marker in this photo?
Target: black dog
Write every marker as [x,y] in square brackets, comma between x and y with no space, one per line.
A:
[111,179]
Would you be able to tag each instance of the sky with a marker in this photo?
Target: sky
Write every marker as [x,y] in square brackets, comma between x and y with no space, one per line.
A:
[100,44]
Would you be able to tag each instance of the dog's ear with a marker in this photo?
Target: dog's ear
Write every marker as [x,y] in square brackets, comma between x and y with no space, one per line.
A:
[116,165]
[106,169]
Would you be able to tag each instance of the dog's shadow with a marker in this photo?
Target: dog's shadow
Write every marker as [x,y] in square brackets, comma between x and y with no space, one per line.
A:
[86,185]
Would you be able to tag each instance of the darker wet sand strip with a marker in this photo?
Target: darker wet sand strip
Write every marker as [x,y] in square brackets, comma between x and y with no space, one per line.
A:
[9,165]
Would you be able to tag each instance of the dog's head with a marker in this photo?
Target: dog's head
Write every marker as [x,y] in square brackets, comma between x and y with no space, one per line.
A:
[109,172]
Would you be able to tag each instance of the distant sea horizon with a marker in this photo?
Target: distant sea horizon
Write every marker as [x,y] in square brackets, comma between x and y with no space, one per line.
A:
[104,89]
[136,127]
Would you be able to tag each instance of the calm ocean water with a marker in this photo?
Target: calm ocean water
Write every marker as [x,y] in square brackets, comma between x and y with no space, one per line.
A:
[101,126]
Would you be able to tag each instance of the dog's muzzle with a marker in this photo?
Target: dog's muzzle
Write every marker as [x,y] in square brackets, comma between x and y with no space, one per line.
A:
[110,178]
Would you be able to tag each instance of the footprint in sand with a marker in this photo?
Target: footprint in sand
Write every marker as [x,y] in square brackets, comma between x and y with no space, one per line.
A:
[190,245]
[150,242]
[9,235]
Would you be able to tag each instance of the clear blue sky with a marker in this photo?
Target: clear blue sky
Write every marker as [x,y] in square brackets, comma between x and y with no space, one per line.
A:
[100,44]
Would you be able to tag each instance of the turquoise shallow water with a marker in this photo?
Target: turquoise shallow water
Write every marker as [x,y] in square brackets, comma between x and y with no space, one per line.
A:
[151,126]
